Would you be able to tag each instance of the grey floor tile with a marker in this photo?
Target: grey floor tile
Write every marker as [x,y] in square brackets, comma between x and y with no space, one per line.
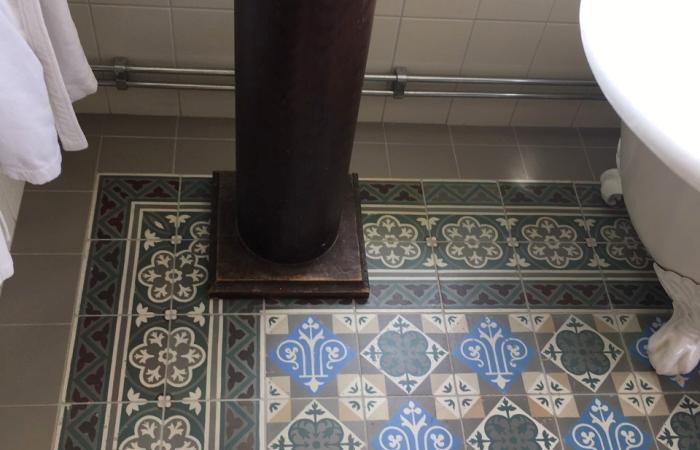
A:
[27,427]
[483,135]
[52,222]
[408,133]
[556,163]
[77,171]
[427,161]
[32,363]
[602,159]
[202,157]
[369,132]
[42,290]
[600,137]
[136,155]
[210,128]
[125,125]
[91,124]
[490,162]
[369,160]
[559,136]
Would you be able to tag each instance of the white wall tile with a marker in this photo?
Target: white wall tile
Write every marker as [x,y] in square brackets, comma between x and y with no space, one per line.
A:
[417,110]
[481,112]
[149,102]
[502,49]
[545,113]
[381,49]
[515,9]
[594,114]
[432,46]
[453,9]
[93,104]
[143,35]
[561,54]
[207,104]
[203,38]
[565,11]
[83,24]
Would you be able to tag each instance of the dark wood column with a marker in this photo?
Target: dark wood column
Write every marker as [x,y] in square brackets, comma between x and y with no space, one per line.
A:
[294,209]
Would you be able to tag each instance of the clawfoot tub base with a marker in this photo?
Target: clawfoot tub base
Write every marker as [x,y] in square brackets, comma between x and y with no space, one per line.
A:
[675,348]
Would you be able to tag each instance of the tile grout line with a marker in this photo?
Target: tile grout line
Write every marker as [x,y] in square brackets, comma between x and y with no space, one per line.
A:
[454,152]
[520,152]
[386,148]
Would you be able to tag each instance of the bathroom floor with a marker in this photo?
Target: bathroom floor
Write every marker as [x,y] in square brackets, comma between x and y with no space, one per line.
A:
[502,314]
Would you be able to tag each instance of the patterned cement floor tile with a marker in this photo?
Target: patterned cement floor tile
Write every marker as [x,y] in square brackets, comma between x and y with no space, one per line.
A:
[461,194]
[82,427]
[605,424]
[195,189]
[557,258]
[644,292]
[391,192]
[590,198]
[475,258]
[511,422]
[499,347]
[400,258]
[575,293]
[471,292]
[395,227]
[538,194]
[679,429]
[411,293]
[550,227]
[468,228]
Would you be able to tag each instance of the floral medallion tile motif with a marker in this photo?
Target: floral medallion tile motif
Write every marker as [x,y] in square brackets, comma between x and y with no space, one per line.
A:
[582,352]
[494,353]
[469,229]
[394,227]
[601,427]
[507,425]
[681,431]
[404,354]
[412,427]
[153,432]
[311,354]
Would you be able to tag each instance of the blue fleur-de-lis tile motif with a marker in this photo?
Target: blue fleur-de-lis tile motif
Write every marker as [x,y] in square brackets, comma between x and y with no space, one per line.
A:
[414,428]
[603,428]
[639,350]
[311,354]
[494,353]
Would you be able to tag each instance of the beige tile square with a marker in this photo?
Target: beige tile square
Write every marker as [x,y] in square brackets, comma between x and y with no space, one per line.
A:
[208,104]
[370,132]
[91,124]
[126,125]
[203,38]
[565,11]
[202,157]
[422,161]
[144,101]
[602,159]
[406,133]
[136,155]
[28,427]
[596,114]
[481,112]
[556,163]
[149,36]
[369,160]
[31,372]
[389,7]
[454,9]
[83,24]
[535,10]
[381,47]
[52,222]
[42,290]
[371,109]
[417,110]
[209,128]
[93,104]
[545,113]
[489,162]
[502,49]
[560,54]
[432,46]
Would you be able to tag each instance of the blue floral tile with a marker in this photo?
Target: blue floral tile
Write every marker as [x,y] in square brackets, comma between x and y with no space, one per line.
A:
[500,348]
[377,192]
[468,227]
[415,293]
[578,293]
[312,350]
[406,349]
[445,193]
[637,293]
[482,293]
[413,425]
[680,429]
[395,227]
[512,422]
[538,194]
[603,426]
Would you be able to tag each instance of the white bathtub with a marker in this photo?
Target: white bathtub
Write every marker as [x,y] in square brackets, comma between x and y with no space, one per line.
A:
[644,55]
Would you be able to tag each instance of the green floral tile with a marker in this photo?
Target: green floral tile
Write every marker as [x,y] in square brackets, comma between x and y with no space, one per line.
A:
[538,194]
[413,293]
[585,349]
[474,257]
[102,283]
[644,292]
[389,192]
[578,293]
[415,421]
[196,189]
[468,228]
[481,293]
[444,193]
[678,430]
[240,422]
[82,426]
[498,347]
[186,368]
[142,426]
[606,421]
[394,227]
[611,228]
[554,228]
[628,256]
[398,257]
[148,353]
[557,258]
[240,361]
[402,353]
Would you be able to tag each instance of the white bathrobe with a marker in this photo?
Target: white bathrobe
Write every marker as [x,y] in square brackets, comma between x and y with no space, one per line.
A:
[43,70]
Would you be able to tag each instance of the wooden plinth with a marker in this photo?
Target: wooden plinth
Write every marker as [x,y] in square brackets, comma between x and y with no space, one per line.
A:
[341,272]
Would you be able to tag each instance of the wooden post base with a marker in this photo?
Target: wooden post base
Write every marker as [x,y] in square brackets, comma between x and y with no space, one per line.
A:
[341,272]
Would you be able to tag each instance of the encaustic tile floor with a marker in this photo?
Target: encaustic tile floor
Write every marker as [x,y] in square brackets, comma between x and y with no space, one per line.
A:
[502,316]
